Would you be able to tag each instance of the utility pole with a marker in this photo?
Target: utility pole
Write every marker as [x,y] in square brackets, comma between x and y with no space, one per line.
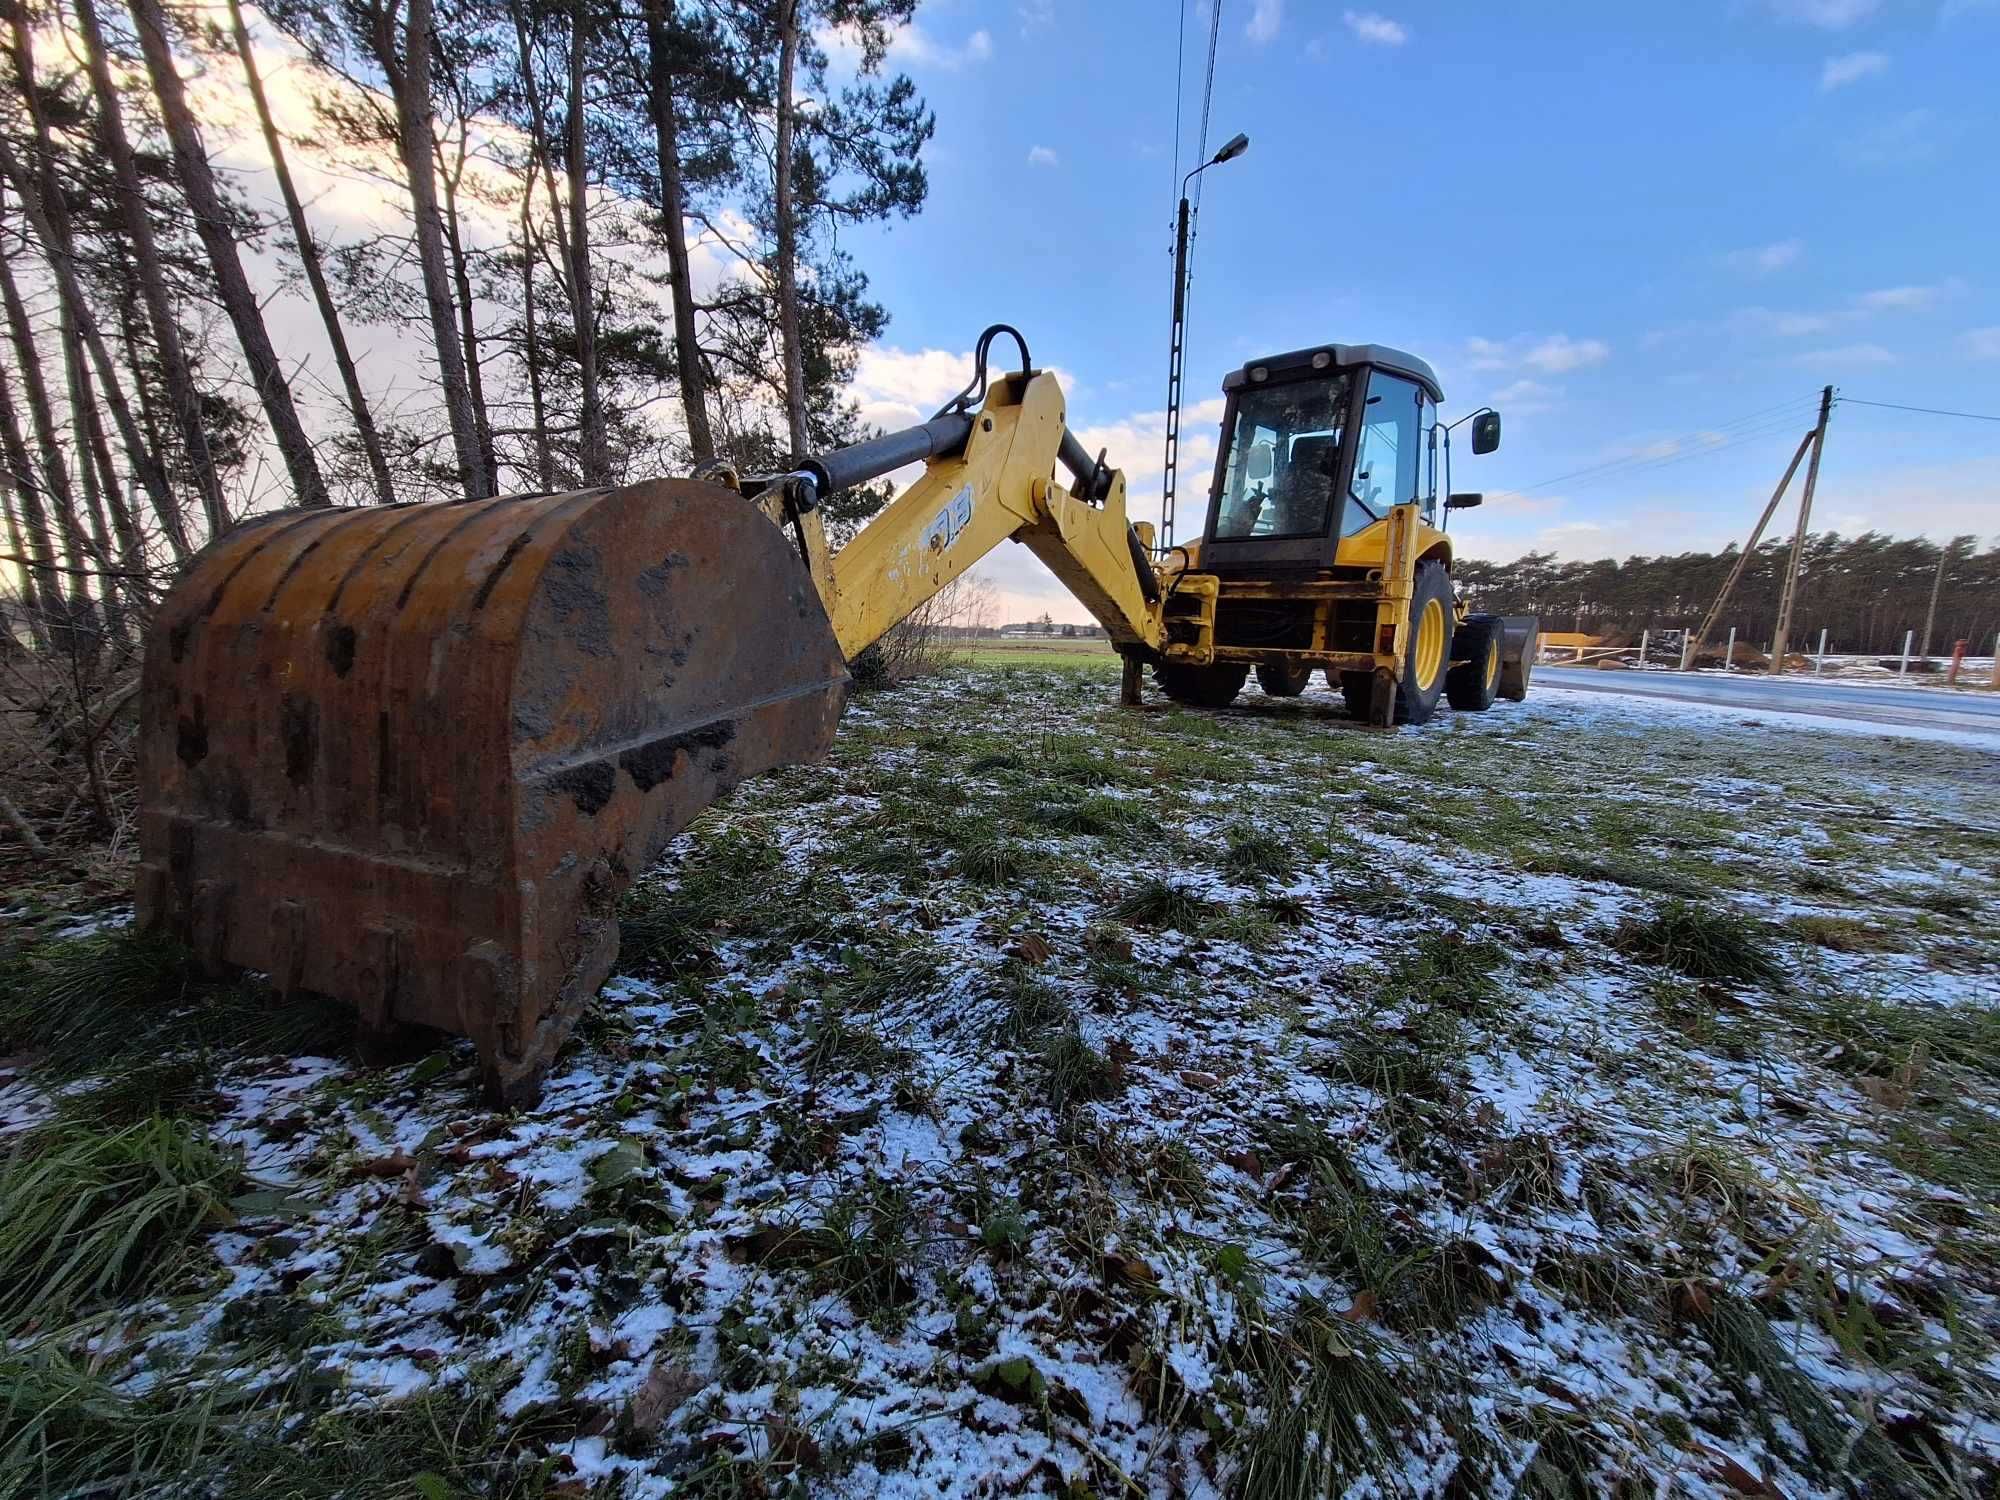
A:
[1790,591]
[1930,615]
[1700,637]
[1177,344]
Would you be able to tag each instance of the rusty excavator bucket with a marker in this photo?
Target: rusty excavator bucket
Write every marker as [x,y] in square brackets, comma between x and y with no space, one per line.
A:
[409,756]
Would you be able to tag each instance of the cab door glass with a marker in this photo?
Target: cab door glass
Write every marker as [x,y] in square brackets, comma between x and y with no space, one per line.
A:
[1386,462]
[1283,461]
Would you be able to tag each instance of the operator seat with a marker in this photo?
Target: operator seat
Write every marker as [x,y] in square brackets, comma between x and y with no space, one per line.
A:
[1299,498]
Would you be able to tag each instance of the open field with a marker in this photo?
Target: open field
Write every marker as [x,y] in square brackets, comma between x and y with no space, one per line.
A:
[1594,1096]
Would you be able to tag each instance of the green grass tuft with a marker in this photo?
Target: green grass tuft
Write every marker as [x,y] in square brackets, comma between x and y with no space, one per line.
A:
[95,1215]
[1702,942]
[1161,903]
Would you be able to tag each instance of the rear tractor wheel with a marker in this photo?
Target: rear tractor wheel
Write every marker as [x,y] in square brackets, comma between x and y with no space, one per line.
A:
[1203,687]
[1471,684]
[1283,679]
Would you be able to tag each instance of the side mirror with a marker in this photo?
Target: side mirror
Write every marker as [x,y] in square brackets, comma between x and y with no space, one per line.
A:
[1464,502]
[1263,459]
[1486,432]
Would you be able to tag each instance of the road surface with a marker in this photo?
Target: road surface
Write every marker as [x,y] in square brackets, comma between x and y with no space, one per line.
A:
[1973,712]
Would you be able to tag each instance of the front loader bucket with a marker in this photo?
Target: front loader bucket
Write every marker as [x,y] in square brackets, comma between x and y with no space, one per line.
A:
[409,756]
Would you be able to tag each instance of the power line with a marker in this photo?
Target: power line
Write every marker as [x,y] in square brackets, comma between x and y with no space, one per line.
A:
[1930,411]
[1689,445]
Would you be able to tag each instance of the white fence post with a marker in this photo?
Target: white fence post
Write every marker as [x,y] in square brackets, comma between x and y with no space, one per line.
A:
[1729,664]
[1645,639]
[1820,660]
[1904,669]
[1687,651]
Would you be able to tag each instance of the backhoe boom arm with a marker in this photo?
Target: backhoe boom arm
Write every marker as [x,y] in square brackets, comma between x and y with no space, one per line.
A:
[989,477]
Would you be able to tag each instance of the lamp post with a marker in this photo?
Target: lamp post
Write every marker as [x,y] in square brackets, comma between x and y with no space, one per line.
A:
[1234,147]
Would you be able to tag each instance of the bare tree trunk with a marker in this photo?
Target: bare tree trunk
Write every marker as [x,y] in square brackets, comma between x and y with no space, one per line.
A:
[82,417]
[673,224]
[42,205]
[788,233]
[409,75]
[596,459]
[197,180]
[539,172]
[39,579]
[531,353]
[174,365]
[131,550]
[310,260]
[475,378]
[41,412]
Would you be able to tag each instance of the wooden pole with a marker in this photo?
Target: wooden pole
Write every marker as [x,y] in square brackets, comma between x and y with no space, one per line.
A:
[1743,558]
[1790,591]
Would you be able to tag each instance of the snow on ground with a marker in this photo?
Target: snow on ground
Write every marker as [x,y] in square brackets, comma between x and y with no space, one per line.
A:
[1049,1097]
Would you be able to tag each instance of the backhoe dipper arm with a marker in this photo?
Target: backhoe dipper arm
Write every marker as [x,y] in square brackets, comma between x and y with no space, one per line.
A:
[988,478]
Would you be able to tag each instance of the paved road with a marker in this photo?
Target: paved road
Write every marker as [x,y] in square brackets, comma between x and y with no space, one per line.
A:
[1973,712]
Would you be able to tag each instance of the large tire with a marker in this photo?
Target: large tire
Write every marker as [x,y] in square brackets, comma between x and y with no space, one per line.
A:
[1282,679]
[1203,687]
[1429,650]
[1470,685]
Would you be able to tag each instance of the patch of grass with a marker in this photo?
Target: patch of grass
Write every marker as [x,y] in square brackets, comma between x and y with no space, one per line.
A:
[1446,970]
[1702,942]
[94,1215]
[1162,903]
[1255,855]
[836,1043]
[172,1087]
[1332,1409]
[1660,876]
[995,860]
[1845,934]
[863,1248]
[1771,1384]
[1030,1006]
[1881,1036]
[67,1429]
[1074,1072]
[1947,902]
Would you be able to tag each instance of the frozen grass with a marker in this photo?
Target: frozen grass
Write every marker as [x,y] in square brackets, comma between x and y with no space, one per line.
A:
[1043,1097]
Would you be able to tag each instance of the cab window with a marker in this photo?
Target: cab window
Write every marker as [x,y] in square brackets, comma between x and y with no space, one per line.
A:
[1283,460]
[1386,462]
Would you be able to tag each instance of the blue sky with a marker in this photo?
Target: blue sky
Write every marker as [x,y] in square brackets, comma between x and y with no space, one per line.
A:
[1649,234]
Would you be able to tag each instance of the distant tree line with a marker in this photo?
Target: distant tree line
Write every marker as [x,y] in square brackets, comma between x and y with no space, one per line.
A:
[1865,591]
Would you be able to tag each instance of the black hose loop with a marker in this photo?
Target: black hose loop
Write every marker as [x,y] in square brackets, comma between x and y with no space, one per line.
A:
[975,390]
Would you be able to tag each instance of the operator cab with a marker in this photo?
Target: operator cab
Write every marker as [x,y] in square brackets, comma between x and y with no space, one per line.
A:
[1317,445]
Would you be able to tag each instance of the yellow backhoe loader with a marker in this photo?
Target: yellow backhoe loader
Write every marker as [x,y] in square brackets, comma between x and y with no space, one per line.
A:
[410,756]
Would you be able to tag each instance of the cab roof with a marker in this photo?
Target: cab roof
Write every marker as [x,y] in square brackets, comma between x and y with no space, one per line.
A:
[1298,363]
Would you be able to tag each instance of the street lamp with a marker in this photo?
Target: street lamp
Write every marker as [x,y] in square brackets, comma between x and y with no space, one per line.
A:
[1233,148]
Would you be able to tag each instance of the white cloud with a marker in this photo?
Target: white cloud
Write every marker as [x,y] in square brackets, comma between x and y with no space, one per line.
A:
[1044,156]
[1982,343]
[1847,356]
[912,47]
[1523,398]
[1898,141]
[1828,15]
[1265,18]
[1853,66]
[1764,259]
[1908,298]
[1377,29]
[1557,354]
[1036,15]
